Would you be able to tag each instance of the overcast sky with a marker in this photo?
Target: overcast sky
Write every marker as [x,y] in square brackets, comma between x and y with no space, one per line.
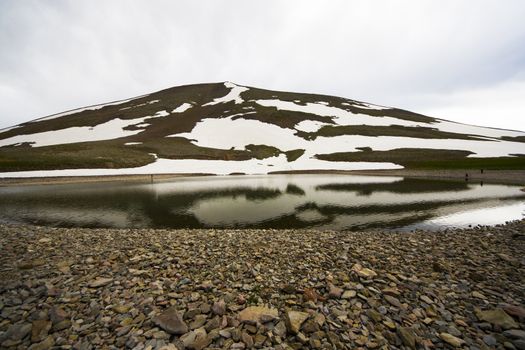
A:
[454,59]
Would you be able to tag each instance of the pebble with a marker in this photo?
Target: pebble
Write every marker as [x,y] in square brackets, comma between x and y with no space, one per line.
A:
[240,289]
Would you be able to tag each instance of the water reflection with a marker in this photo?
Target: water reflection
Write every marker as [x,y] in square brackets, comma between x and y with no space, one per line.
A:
[279,201]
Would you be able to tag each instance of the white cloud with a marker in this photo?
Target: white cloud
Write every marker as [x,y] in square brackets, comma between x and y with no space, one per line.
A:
[500,105]
[59,55]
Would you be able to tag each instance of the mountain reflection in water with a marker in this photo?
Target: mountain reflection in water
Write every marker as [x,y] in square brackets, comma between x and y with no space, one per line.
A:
[337,202]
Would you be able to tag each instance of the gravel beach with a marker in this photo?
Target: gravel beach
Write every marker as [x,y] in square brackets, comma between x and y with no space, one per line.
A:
[239,289]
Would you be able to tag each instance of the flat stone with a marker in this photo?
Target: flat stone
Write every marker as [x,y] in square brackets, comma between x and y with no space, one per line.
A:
[393,301]
[497,317]
[259,314]
[171,322]
[408,337]
[451,340]
[100,282]
[478,295]
[349,294]
[363,271]
[515,334]
[121,309]
[426,299]
[294,320]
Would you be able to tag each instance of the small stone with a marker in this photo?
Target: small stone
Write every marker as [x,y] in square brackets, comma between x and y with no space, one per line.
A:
[374,315]
[198,322]
[426,299]
[408,337]
[393,301]
[334,292]
[490,340]
[57,315]
[100,282]
[259,314]
[310,294]
[280,329]
[225,333]
[515,334]
[219,307]
[497,317]
[65,324]
[294,320]
[349,294]
[121,309]
[188,339]
[478,295]
[171,322]
[363,271]
[452,340]
[247,340]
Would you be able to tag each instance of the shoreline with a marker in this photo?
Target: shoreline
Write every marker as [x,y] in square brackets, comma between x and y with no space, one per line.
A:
[282,289]
[514,177]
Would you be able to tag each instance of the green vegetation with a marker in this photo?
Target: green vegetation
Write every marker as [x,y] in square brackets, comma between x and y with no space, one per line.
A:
[436,159]
[294,154]
[391,130]
[263,151]
[72,156]
[181,148]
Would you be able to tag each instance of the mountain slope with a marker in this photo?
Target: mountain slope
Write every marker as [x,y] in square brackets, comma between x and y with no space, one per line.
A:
[224,128]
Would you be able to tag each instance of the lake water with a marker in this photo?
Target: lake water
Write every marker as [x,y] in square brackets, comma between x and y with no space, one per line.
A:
[339,202]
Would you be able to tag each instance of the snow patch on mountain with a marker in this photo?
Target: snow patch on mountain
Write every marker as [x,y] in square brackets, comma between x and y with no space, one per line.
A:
[182,108]
[340,116]
[112,129]
[226,133]
[233,95]
[219,167]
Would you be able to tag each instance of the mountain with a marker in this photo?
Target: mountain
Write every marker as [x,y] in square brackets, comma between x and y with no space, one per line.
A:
[224,128]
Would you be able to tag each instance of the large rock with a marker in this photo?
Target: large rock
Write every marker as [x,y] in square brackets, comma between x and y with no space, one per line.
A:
[497,317]
[171,322]
[294,320]
[259,314]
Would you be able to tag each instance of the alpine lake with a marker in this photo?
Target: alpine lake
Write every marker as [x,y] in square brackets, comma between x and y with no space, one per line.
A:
[319,202]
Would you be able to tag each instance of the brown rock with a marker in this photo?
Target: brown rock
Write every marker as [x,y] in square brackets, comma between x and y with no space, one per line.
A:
[497,317]
[294,320]
[171,322]
[259,314]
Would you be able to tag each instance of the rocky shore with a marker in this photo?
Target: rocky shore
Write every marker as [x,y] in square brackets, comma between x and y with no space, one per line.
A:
[195,289]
